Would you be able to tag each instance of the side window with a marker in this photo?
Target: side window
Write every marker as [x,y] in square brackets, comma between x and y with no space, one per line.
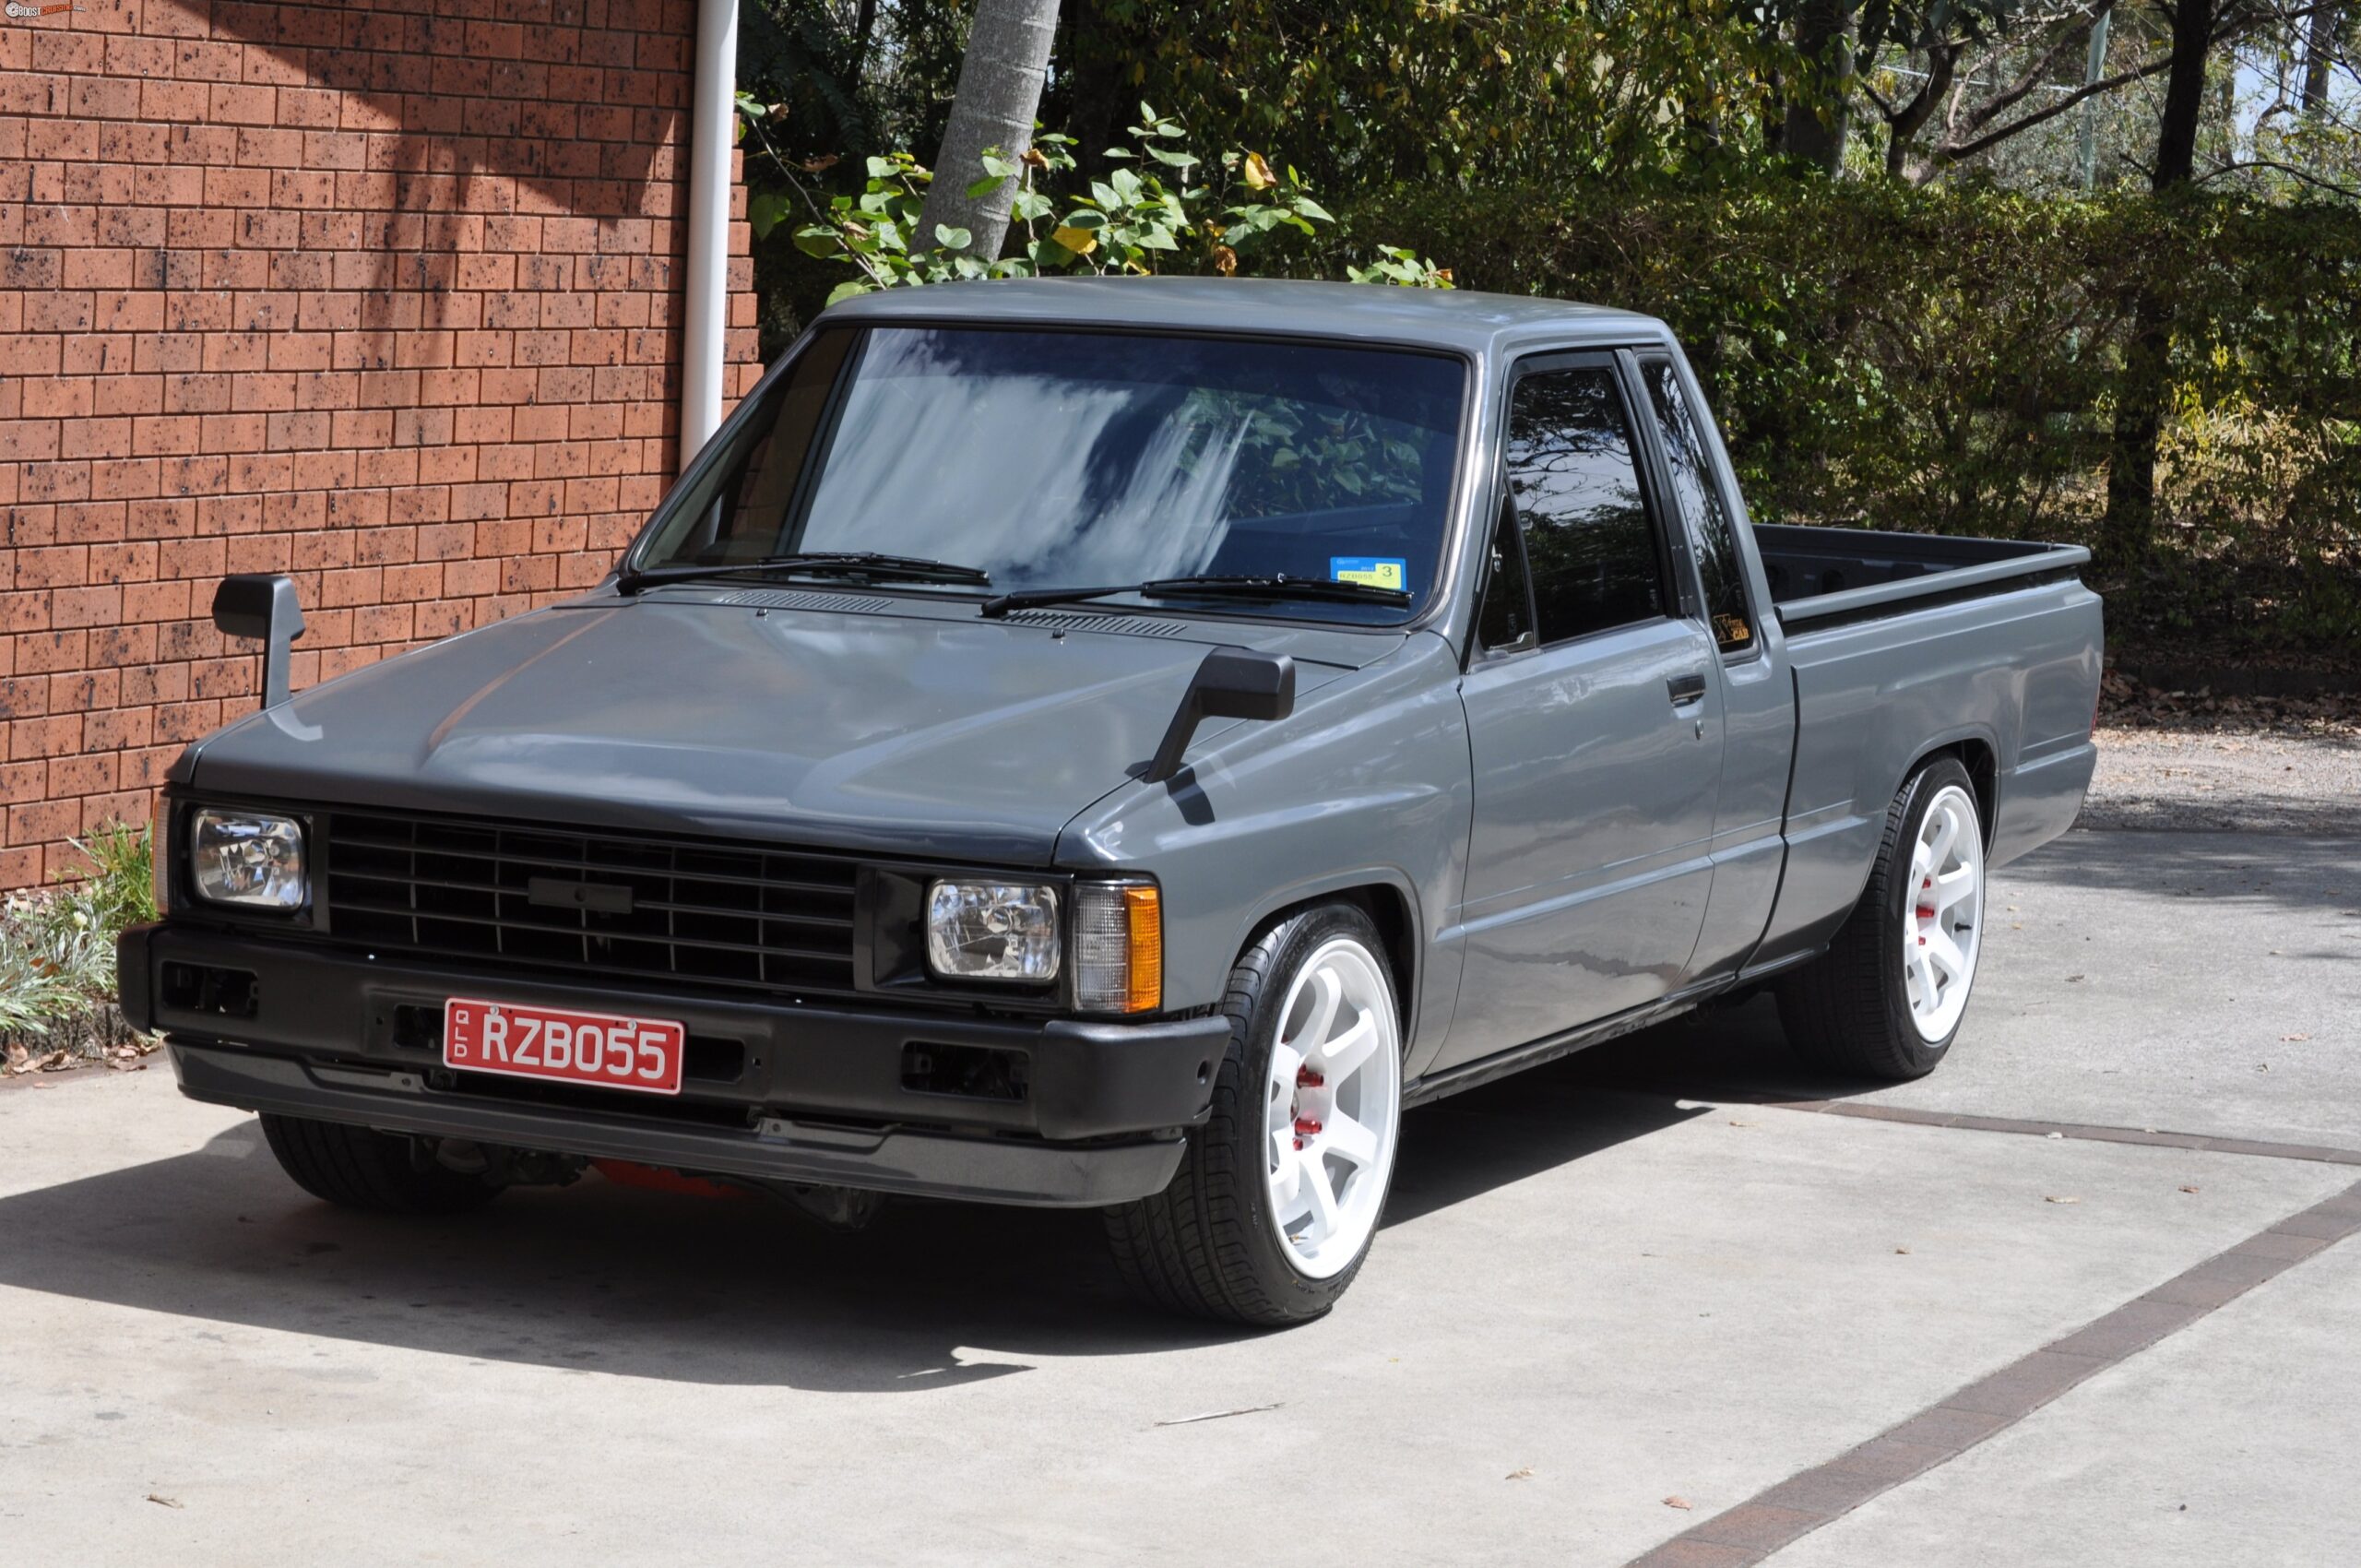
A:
[1588,542]
[1701,504]
[742,509]
[1505,622]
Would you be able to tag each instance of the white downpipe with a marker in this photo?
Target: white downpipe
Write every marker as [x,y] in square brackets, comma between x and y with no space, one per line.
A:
[704,314]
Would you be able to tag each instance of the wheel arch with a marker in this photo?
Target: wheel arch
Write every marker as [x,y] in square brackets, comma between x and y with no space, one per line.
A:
[1828,866]
[1391,900]
[1976,753]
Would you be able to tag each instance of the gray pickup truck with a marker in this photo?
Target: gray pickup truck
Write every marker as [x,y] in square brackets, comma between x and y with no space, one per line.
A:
[1117,743]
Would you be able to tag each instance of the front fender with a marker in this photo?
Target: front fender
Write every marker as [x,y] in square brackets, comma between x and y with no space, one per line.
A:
[1365,785]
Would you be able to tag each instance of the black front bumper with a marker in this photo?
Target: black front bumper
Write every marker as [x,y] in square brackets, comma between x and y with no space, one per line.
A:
[788,1093]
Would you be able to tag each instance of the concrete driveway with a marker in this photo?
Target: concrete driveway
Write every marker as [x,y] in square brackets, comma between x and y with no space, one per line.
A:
[1625,1308]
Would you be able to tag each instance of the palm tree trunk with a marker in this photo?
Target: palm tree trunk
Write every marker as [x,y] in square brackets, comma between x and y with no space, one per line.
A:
[998,93]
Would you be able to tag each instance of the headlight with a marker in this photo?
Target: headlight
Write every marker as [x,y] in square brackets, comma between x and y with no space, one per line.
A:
[1002,931]
[1118,947]
[249,858]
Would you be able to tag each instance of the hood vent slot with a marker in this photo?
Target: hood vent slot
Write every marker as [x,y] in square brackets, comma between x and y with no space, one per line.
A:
[786,598]
[1087,620]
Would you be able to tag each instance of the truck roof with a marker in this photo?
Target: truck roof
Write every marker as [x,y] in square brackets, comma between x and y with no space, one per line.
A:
[1441,318]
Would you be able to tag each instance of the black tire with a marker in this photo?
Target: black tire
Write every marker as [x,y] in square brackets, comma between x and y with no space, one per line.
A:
[1848,1011]
[1206,1245]
[360,1168]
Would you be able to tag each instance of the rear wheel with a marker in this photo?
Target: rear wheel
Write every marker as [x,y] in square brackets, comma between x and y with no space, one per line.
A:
[1278,1198]
[362,1168]
[1886,998]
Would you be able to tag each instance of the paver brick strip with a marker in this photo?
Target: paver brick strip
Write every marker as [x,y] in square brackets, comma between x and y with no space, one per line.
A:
[1760,1525]
[2134,1325]
[2148,1138]
[2272,1246]
[2040,1377]
[1886,1460]
[2209,1284]
[1778,1514]
[1949,1430]
[2319,1225]
[1683,1553]
[1825,1492]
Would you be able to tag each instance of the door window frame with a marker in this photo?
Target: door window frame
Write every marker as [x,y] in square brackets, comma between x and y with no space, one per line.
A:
[1637,363]
[1682,598]
[1503,509]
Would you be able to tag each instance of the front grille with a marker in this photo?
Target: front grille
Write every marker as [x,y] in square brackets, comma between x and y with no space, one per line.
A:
[717,914]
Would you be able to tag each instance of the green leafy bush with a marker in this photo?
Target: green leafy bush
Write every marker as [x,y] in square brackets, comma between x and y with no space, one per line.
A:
[1438,91]
[1159,209]
[57,973]
[1948,359]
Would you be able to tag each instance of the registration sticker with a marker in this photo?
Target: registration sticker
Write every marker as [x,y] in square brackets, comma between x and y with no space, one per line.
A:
[1377,571]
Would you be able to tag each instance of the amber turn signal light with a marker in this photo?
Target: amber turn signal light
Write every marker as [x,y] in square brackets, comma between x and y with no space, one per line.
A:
[1118,947]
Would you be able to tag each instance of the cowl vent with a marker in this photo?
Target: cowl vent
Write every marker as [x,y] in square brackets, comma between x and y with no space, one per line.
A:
[785,599]
[1084,621]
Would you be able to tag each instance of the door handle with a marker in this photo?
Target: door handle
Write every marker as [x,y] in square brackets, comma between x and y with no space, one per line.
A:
[1686,689]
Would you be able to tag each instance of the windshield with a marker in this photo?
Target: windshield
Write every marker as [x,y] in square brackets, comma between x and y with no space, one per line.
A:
[1071,459]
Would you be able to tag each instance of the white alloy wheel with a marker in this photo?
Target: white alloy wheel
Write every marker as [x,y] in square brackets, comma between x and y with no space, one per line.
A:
[1332,1106]
[1943,917]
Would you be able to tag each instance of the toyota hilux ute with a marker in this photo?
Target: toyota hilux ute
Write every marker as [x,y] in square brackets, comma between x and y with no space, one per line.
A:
[1117,743]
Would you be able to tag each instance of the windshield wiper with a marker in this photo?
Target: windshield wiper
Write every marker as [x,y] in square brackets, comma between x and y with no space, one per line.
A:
[1279,586]
[866,564]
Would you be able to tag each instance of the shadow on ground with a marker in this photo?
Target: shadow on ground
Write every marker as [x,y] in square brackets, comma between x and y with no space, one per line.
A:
[1727,1053]
[2135,811]
[2306,874]
[600,1277]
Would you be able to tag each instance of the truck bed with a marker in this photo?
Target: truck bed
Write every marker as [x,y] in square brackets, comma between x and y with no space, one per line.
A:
[1898,643]
[1821,576]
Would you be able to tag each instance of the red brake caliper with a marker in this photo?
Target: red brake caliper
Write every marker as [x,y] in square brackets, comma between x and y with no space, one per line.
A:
[1305,1127]
[1925,911]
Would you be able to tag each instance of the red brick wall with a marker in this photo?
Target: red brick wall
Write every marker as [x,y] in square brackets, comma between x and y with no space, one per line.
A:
[382,295]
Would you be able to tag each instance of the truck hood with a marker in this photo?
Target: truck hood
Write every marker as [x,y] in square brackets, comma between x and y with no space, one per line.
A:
[930,733]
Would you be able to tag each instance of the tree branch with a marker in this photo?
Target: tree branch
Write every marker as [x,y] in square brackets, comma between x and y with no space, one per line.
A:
[2237,21]
[2304,176]
[2031,77]
[1952,152]
[1959,97]
[786,172]
[1903,124]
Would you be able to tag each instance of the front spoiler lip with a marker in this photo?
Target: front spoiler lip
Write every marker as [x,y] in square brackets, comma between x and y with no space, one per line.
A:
[777,1150]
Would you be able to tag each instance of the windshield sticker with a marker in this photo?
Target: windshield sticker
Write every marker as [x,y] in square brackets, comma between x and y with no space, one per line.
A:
[1377,571]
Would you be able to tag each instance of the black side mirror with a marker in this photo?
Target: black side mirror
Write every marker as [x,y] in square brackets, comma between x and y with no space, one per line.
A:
[263,606]
[1233,683]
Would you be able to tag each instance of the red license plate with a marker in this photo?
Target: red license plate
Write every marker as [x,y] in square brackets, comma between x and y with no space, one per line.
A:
[569,1048]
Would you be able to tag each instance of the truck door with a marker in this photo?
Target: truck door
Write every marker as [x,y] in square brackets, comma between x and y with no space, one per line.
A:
[1594,723]
[1758,698]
